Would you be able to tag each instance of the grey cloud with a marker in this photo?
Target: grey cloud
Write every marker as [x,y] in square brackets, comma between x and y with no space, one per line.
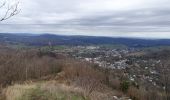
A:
[92,17]
[128,18]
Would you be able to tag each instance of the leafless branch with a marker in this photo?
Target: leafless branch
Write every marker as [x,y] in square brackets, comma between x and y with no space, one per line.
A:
[10,11]
[3,4]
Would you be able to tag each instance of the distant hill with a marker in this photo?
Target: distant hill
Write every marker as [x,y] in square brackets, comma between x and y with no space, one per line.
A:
[44,39]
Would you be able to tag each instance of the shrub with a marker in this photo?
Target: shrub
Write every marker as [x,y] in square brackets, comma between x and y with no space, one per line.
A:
[24,65]
[136,94]
[83,75]
[124,86]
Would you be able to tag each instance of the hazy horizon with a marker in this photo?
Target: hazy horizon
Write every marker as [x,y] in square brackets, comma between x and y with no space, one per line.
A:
[130,37]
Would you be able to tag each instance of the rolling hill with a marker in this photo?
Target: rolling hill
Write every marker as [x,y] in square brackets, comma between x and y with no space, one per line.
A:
[44,39]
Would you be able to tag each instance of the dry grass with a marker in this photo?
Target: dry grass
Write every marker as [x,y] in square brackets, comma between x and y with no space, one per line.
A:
[52,90]
[142,94]
[56,90]
[16,91]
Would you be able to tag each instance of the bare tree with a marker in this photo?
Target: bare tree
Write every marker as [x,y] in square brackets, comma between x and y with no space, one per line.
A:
[9,10]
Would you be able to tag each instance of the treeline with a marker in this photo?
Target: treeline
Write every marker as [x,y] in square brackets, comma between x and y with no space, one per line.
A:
[44,39]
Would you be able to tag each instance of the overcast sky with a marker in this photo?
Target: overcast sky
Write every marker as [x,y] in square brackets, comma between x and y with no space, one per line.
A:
[121,18]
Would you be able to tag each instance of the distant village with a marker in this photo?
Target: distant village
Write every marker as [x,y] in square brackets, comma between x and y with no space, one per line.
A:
[142,71]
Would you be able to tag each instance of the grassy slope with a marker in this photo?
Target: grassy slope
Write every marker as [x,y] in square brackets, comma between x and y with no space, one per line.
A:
[42,91]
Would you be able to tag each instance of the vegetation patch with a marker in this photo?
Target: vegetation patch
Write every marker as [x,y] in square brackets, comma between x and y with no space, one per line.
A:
[39,94]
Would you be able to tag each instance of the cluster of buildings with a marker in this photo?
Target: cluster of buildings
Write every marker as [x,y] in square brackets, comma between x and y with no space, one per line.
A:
[136,68]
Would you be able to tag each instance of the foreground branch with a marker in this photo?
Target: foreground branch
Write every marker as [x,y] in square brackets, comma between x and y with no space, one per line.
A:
[2,4]
[10,11]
